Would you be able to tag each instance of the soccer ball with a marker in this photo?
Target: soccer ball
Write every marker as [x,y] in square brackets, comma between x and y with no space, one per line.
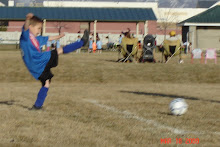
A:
[181,61]
[178,106]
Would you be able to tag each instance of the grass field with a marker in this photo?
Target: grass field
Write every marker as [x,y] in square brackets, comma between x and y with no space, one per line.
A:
[95,101]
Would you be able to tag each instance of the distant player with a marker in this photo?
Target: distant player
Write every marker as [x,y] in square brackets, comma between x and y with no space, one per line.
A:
[39,63]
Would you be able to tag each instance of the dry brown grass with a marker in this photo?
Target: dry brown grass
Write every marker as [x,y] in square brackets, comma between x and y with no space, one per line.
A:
[94,101]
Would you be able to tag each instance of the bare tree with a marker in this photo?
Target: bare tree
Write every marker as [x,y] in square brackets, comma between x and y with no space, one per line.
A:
[168,18]
[34,3]
[60,25]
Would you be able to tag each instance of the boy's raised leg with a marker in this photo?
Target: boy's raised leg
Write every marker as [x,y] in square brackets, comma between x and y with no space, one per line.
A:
[78,44]
[85,37]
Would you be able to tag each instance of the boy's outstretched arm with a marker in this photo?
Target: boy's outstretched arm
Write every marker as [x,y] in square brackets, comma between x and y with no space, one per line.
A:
[27,20]
[56,37]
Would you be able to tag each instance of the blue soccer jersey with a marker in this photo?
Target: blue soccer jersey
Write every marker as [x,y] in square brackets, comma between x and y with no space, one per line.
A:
[90,44]
[33,57]
[99,44]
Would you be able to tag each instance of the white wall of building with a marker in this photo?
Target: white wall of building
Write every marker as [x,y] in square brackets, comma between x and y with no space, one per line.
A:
[100,4]
[176,15]
[11,3]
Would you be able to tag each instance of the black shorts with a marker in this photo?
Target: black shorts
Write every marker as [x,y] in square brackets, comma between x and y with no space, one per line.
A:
[47,74]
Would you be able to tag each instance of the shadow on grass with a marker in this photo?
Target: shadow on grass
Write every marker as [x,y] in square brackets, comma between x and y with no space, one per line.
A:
[12,102]
[168,96]
[167,113]
[113,61]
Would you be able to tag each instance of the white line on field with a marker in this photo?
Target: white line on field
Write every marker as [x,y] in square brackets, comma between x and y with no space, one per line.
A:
[147,121]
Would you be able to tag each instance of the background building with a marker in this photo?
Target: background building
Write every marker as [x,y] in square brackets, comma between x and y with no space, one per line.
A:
[203,30]
[167,18]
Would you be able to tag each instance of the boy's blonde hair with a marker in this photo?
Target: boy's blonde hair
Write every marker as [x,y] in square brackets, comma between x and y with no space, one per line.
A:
[35,20]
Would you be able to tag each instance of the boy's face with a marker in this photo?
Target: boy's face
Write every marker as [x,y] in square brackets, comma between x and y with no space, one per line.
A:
[35,29]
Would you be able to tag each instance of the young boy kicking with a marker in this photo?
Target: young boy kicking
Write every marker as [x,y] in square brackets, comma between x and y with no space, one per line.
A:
[39,63]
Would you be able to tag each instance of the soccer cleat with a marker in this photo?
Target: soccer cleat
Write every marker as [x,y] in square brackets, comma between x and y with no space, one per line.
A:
[85,37]
[35,108]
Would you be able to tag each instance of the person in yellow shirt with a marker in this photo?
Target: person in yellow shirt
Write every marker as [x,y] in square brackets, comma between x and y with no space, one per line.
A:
[172,47]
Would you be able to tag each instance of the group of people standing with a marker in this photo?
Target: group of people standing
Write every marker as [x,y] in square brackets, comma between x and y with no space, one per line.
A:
[98,45]
[95,46]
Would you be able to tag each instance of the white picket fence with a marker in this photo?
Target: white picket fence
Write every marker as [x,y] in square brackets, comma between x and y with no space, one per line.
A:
[13,38]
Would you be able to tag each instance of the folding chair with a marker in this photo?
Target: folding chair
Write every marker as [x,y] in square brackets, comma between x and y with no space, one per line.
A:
[172,48]
[130,52]
[211,54]
[197,54]
[128,49]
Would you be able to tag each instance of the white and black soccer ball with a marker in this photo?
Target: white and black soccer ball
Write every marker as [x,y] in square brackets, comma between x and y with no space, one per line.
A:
[178,106]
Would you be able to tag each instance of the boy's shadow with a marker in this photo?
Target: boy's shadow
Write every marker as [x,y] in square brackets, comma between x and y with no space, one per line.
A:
[12,102]
[170,96]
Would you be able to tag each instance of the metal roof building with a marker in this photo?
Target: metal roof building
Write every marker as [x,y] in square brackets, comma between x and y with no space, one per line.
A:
[79,14]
